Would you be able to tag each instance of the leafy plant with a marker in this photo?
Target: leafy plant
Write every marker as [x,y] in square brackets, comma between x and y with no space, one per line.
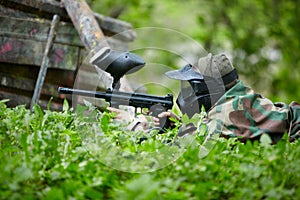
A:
[43,156]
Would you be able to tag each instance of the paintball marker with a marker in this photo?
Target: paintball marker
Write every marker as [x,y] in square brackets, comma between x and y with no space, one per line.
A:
[155,104]
[118,64]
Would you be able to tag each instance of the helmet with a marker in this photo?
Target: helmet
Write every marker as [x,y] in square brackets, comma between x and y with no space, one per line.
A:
[207,82]
[218,66]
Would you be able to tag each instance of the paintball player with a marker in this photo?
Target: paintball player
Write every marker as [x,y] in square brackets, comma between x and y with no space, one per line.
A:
[234,109]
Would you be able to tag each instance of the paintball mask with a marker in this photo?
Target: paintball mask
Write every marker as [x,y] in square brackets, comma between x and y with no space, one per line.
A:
[206,88]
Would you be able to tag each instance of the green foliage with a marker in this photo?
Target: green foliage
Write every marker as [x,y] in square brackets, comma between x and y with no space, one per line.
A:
[262,36]
[43,157]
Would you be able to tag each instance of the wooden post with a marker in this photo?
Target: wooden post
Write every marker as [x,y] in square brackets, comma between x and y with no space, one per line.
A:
[84,21]
[45,62]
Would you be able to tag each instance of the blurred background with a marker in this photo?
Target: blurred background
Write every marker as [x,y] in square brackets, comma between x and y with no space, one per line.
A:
[262,38]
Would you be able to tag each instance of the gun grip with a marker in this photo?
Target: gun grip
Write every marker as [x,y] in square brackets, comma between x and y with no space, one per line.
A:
[164,121]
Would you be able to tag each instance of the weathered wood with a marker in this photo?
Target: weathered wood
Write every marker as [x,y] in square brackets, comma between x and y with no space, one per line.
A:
[30,52]
[19,91]
[46,9]
[54,76]
[85,23]
[38,29]
[17,83]
[16,98]
[23,34]
[7,11]
[26,86]
[44,66]
[17,79]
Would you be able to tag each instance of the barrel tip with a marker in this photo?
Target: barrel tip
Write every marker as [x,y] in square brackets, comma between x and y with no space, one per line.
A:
[60,89]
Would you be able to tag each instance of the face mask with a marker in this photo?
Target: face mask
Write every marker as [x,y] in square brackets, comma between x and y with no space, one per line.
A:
[205,92]
[193,104]
[195,94]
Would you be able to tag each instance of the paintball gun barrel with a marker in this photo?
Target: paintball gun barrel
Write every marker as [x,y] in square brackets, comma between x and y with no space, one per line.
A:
[155,104]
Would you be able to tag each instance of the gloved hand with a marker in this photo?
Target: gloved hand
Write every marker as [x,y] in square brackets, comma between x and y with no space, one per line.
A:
[134,122]
[168,114]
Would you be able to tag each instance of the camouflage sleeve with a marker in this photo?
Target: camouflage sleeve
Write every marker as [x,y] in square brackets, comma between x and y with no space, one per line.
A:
[294,121]
[245,114]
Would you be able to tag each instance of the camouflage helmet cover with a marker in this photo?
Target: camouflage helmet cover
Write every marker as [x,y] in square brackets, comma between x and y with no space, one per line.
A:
[218,66]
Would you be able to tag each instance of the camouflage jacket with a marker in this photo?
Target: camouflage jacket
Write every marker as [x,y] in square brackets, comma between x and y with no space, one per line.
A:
[245,114]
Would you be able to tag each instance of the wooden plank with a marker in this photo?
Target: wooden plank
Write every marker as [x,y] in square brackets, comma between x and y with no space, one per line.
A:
[14,98]
[27,85]
[30,52]
[38,29]
[7,11]
[19,91]
[21,99]
[17,84]
[54,76]
[46,9]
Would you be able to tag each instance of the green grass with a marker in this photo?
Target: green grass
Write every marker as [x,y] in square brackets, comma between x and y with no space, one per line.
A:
[49,155]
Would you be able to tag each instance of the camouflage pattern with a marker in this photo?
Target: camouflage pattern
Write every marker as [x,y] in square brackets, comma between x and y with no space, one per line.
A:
[214,65]
[243,113]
